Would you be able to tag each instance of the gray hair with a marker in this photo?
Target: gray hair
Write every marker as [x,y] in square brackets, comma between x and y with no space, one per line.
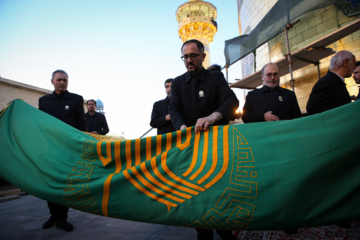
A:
[338,59]
[58,71]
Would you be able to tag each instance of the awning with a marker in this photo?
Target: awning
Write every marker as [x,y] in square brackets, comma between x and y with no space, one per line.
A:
[281,14]
[310,54]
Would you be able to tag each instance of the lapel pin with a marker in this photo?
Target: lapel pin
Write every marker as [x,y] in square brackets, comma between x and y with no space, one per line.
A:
[201,93]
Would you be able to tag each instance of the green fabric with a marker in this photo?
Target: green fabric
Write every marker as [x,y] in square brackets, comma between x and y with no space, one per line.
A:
[277,175]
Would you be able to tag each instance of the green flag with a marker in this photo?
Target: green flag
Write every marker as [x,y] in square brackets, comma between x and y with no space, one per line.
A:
[271,175]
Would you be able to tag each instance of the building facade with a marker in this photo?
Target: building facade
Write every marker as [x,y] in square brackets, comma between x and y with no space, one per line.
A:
[10,90]
[311,27]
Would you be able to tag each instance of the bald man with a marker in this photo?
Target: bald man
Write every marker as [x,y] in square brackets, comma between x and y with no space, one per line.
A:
[271,102]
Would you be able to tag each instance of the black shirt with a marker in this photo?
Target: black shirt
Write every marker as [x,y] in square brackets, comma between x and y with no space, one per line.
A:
[96,122]
[197,96]
[160,110]
[67,107]
[282,102]
[328,92]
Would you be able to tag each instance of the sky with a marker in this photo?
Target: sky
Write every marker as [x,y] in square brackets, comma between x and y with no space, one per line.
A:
[120,52]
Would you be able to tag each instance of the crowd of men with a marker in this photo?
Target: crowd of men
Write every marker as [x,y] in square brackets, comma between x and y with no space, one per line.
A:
[202,98]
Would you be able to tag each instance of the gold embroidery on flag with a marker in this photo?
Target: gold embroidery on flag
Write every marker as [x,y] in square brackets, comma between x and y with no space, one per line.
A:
[108,158]
[148,148]
[156,182]
[158,144]
[128,153]
[176,178]
[137,152]
[214,156]
[225,158]
[168,141]
[232,203]
[162,178]
[153,188]
[171,187]
[195,156]
[138,186]
[106,191]
[106,196]
[204,156]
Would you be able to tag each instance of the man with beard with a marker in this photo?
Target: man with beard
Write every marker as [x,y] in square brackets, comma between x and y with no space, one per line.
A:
[96,122]
[160,117]
[271,102]
[330,91]
[201,98]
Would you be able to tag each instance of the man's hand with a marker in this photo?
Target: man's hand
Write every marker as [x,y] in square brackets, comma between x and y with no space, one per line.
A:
[94,132]
[167,117]
[202,124]
[183,127]
[270,117]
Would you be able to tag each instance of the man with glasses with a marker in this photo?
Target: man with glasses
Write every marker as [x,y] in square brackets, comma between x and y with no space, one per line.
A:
[201,98]
[271,102]
[330,91]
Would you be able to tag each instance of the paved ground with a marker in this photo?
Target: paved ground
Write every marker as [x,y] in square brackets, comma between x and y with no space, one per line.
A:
[22,218]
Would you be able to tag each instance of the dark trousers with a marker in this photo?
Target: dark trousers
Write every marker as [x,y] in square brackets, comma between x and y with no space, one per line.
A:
[206,234]
[58,212]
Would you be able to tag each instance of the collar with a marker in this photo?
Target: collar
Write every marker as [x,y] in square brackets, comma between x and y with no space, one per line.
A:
[167,99]
[65,94]
[199,76]
[339,76]
[266,89]
[87,113]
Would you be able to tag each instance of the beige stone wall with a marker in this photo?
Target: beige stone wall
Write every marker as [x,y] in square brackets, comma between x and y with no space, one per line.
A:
[312,26]
[10,90]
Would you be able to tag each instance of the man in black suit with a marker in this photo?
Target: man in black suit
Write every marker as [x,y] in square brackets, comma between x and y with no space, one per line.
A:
[96,122]
[330,91]
[201,98]
[160,117]
[271,102]
[67,107]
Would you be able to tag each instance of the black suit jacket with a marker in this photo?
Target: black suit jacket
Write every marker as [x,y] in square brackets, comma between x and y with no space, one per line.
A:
[328,92]
[67,107]
[96,122]
[197,96]
[160,110]
[282,102]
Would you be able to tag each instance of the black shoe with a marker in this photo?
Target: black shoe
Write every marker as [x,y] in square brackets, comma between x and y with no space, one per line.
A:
[49,223]
[64,225]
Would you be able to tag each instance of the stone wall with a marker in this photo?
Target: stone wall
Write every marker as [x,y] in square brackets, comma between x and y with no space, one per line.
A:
[10,90]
